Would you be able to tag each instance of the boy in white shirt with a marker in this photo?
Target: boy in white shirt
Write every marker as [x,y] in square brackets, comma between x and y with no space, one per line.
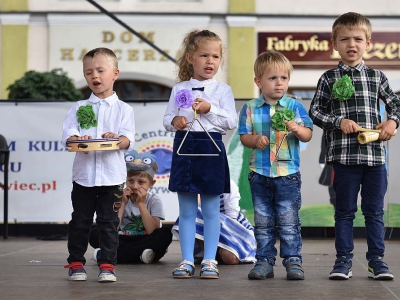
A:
[97,176]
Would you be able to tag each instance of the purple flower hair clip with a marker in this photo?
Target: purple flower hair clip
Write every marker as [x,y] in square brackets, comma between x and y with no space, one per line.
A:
[184,99]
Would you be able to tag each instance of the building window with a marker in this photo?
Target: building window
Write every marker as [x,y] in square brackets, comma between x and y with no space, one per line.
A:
[137,90]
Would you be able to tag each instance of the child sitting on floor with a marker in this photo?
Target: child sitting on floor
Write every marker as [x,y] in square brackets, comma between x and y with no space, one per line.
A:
[141,237]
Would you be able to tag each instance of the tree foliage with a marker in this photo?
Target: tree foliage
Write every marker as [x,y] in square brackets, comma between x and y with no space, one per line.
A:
[53,85]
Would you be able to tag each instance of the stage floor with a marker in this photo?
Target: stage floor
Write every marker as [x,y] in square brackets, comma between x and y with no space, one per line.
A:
[33,269]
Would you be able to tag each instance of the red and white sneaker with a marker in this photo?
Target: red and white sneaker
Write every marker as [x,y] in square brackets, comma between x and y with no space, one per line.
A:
[107,273]
[76,271]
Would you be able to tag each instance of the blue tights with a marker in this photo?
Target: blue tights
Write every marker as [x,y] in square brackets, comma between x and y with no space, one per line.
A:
[187,224]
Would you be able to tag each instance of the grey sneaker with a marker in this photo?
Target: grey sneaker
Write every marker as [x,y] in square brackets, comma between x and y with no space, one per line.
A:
[294,269]
[262,270]
[147,256]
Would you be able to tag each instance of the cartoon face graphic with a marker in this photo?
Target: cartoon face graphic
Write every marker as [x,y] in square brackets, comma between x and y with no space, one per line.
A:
[139,162]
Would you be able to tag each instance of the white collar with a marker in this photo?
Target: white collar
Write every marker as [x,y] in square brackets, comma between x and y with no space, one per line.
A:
[198,83]
[110,100]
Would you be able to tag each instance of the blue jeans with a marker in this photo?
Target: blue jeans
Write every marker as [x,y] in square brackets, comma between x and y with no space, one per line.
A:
[276,202]
[347,182]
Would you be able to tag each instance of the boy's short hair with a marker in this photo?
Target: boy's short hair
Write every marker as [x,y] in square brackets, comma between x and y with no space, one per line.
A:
[352,20]
[271,59]
[141,173]
[105,51]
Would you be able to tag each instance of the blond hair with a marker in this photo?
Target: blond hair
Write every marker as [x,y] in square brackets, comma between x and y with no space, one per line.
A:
[352,20]
[271,59]
[142,174]
[190,44]
[109,54]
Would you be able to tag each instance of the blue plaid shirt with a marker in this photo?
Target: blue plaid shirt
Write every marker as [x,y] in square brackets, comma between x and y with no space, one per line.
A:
[362,107]
[255,118]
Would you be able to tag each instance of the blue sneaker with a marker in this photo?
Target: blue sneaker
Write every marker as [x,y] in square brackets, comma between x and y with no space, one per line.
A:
[76,271]
[294,269]
[341,269]
[96,254]
[107,273]
[262,270]
[379,270]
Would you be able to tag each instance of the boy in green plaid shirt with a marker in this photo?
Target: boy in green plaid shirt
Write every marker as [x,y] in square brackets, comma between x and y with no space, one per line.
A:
[346,99]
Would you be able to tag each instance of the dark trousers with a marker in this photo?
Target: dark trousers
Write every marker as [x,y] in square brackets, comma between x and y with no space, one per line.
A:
[105,201]
[131,247]
[332,196]
[347,182]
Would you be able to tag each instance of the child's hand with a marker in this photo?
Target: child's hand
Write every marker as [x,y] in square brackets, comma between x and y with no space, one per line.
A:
[179,122]
[292,126]
[201,106]
[349,126]
[141,194]
[109,135]
[262,142]
[387,130]
[126,195]
[85,137]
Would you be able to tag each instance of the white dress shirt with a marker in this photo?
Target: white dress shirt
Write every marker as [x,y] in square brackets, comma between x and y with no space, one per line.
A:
[222,115]
[98,168]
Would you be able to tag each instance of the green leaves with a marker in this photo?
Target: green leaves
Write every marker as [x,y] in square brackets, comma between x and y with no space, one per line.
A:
[343,88]
[281,115]
[53,85]
[86,116]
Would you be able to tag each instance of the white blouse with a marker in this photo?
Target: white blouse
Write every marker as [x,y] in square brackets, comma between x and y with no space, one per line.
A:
[222,115]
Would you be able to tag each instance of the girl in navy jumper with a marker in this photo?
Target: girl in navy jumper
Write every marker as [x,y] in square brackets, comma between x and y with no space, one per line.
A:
[193,171]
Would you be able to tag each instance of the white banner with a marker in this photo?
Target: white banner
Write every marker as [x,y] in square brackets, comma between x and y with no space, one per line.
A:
[40,167]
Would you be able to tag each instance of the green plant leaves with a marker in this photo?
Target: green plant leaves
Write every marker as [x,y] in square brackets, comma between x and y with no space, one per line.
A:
[281,115]
[53,85]
[86,116]
[343,88]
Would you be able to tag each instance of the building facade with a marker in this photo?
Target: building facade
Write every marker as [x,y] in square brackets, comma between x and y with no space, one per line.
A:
[42,35]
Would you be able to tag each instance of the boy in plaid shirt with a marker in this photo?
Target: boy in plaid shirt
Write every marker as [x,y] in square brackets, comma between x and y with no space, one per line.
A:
[275,179]
[346,99]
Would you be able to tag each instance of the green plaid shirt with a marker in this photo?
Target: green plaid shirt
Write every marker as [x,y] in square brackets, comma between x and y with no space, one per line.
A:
[362,107]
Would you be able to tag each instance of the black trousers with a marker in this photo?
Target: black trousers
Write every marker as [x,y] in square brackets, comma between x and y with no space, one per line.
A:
[105,201]
[131,247]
